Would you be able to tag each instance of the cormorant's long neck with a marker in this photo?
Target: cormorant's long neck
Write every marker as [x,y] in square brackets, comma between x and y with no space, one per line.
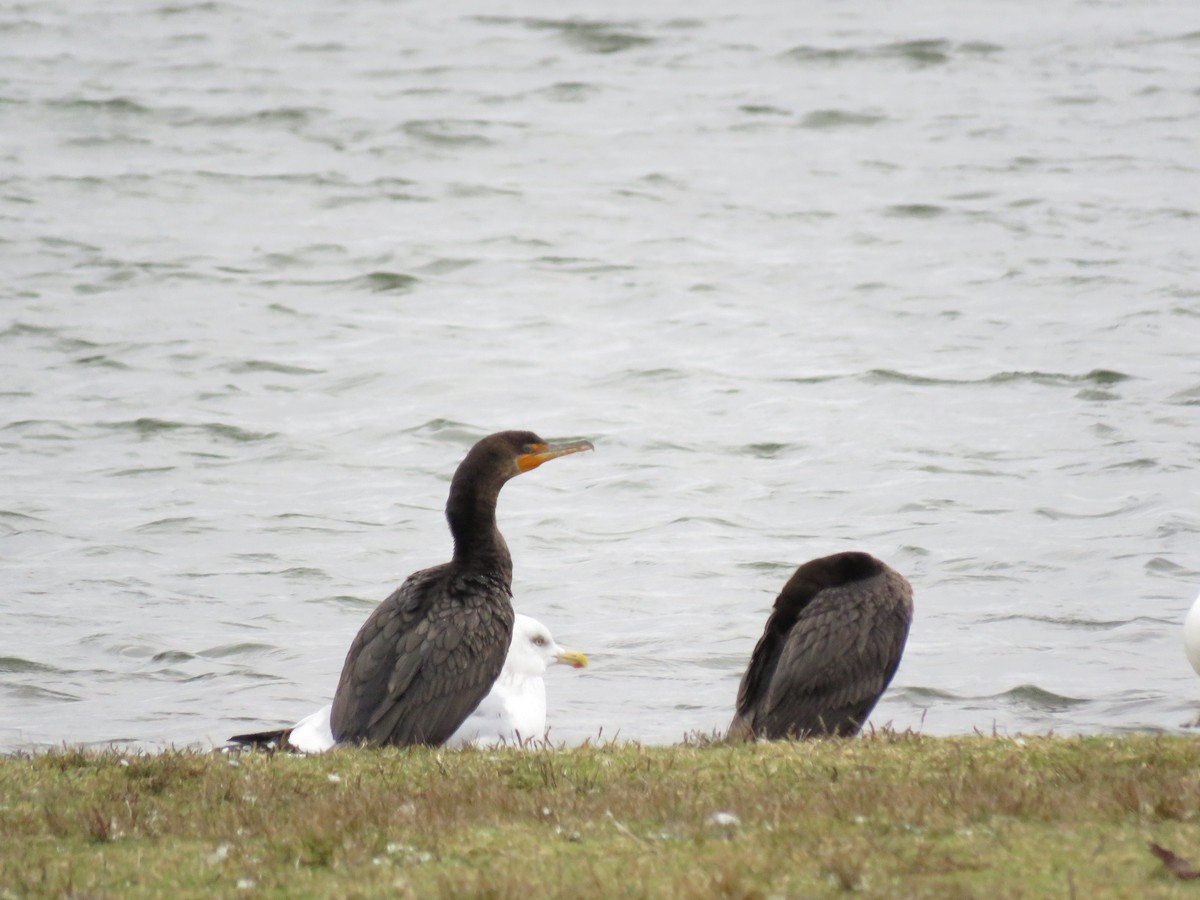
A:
[478,544]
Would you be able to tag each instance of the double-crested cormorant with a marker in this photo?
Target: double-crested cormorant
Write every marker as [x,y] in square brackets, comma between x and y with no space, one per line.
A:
[514,709]
[429,653]
[830,648]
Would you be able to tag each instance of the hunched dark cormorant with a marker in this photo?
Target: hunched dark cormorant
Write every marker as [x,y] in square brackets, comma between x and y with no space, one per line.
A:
[831,646]
[429,653]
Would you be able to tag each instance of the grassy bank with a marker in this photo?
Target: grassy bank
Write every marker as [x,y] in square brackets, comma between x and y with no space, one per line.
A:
[887,816]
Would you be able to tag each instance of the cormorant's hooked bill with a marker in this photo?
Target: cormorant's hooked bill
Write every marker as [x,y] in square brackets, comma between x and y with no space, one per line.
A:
[536,454]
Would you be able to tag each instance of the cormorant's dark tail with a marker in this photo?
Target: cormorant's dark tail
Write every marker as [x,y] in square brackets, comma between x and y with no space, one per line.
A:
[263,740]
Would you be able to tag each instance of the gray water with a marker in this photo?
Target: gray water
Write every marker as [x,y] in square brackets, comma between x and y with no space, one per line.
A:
[919,279]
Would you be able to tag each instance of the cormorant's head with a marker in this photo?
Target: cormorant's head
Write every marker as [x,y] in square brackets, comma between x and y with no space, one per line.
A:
[827,572]
[509,453]
[504,455]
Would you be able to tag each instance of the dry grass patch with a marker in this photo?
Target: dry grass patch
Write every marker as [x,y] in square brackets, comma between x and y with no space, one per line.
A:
[888,815]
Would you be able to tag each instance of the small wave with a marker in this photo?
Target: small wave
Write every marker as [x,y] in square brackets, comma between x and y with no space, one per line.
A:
[839,118]
[33,692]
[660,374]
[1188,37]
[1143,463]
[447,132]
[1095,376]
[299,528]
[446,428]
[1063,515]
[256,557]
[1187,397]
[101,361]
[15,664]
[813,379]
[239,435]
[766,450]
[980,48]
[260,365]
[914,211]
[1027,695]
[303,573]
[385,282]
[580,266]
[1160,566]
[117,105]
[591,36]
[107,140]
[921,696]
[177,9]
[599,37]
[920,53]
[172,656]
[347,601]
[145,470]
[1068,621]
[148,427]
[178,525]
[768,566]
[446,266]
[705,520]
[807,54]
[568,91]
[43,429]
[1034,697]
[973,471]
[282,115]
[287,178]
[240,649]
[757,109]
[923,52]
[20,517]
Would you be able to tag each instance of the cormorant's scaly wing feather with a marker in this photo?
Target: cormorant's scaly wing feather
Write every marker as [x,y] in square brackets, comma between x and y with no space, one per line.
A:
[753,688]
[423,660]
[838,658]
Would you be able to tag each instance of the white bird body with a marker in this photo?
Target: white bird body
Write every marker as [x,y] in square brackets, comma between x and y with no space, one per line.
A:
[514,709]
[312,733]
[1191,635]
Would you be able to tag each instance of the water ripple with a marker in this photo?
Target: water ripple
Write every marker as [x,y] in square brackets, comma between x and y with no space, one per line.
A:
[1056,379]
[150,427]
[590,36]
[265,287]
[15,664]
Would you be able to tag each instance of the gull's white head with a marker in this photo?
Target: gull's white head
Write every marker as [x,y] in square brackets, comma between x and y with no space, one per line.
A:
[533,650]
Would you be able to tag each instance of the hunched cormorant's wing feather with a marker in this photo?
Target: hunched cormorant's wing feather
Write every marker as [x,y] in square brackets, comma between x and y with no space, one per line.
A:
[838,658]
[753,688]
[424,659]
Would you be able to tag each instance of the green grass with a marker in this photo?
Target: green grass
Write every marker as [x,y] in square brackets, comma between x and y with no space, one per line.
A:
[884,816]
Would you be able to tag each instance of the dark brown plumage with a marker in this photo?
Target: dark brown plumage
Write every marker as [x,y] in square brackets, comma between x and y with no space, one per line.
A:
[830,648]
[429,653]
